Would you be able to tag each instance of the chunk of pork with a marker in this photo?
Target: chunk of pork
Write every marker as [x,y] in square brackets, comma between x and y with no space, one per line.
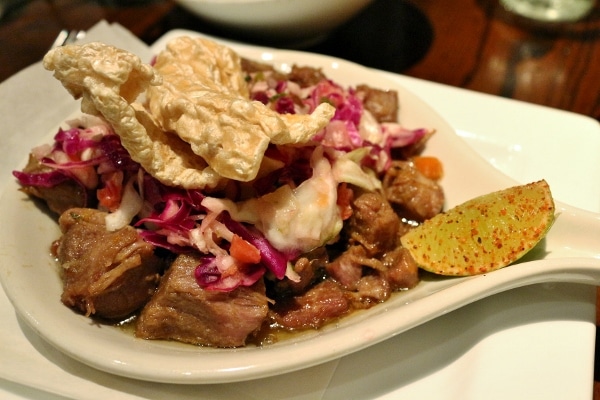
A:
[182,310]
[105,274]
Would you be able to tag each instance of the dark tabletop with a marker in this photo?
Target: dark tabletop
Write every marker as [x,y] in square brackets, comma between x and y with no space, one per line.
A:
[473,44]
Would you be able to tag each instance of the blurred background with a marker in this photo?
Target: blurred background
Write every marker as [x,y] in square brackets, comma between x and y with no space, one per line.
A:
[474,44]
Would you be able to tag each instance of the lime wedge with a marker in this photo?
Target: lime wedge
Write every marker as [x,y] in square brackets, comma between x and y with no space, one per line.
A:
[483,234]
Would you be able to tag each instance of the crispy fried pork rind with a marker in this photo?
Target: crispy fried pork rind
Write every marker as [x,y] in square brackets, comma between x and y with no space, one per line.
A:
[204,99]
[109,80]
[202,128]
[96,71]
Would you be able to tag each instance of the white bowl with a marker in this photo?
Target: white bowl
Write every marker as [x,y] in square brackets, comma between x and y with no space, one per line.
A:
[277,20]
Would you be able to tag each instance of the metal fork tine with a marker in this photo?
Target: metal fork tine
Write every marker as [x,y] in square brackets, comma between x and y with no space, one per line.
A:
[66,36]
[75,36]
[60,39]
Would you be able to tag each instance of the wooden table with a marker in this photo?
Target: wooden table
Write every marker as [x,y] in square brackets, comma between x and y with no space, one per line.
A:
[473,44]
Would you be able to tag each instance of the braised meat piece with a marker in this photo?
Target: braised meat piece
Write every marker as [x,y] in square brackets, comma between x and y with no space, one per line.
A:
[401,270]
[383,104]
[347,268]
[249,66]
[182,310]
[374,264]
[303,76]
[105,274]
[60,197]
[373,223]
[252,66]
[371,289]
[306,76]
[310,267]
[371,231]
[411,150]
[369,280]
[320,304]
[411,193]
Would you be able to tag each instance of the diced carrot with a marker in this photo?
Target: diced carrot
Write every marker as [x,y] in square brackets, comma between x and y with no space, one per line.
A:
[110,194]
[244,251]
[431,167]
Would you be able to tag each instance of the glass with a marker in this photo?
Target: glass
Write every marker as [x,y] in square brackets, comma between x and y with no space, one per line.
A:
[550,10]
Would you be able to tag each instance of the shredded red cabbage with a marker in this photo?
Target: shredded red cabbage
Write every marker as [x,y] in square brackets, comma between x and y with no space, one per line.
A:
[171,217]
[209,276]
[207,272]
[296,170]
[72,141]
[273,259]
[44,179]
[119,158]
[76,149]
[174,212]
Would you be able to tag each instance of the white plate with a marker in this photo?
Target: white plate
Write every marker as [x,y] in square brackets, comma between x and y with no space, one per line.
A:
[30,280]
[523,140]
